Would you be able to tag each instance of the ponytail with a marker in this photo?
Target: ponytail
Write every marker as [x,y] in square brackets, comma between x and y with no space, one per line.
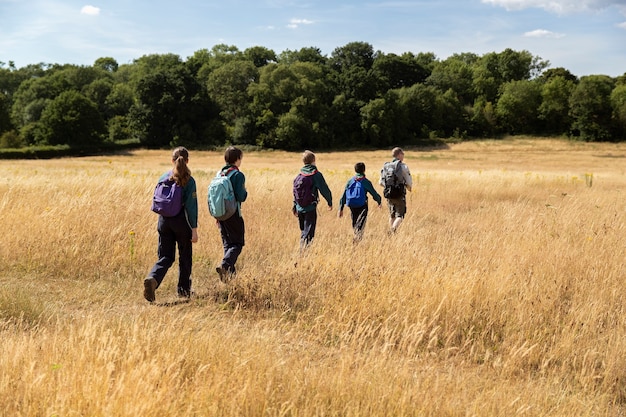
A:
[181,172]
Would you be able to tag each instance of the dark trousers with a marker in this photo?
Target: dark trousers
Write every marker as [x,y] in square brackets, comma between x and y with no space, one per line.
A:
[307,222]
[232,231]
[174,231]
[359,218]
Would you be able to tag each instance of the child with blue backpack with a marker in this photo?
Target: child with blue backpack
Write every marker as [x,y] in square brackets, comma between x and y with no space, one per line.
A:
[307,186]
[355,197]
[177,225]
[232,229]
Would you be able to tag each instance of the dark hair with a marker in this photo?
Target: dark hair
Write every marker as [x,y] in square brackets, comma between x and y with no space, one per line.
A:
[232,154]
[181,172]
[359,168]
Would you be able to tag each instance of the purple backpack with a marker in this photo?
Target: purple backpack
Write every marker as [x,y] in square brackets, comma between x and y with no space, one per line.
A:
[303,189]
[168,198]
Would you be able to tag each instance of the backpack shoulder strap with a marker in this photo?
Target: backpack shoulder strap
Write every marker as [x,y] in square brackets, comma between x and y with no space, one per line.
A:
[398,171]
[229,172]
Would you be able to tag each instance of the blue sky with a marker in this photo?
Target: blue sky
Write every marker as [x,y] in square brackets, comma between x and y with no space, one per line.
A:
[583,36]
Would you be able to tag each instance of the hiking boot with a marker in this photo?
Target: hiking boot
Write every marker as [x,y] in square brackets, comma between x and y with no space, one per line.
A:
[186,294]
[149,286]
[225,273]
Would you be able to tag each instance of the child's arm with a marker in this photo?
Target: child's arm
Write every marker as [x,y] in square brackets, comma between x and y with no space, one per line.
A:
[369,187]
[321,185]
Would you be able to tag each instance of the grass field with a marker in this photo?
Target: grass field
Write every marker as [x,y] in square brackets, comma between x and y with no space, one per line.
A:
[502,293]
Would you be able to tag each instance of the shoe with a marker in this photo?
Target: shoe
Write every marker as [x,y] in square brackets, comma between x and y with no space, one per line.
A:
[225,274]
[186,294]
[149,286]
[222,272]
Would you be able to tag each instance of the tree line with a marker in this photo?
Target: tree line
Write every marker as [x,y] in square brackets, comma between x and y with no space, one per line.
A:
[304,99]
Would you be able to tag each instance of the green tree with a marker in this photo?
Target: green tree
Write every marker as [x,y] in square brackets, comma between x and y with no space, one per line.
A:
[418,105]
[495,69]
[590,108]
[219,55]
[146,65]
[551,73]
[107,64]
[72,119]
[119,101]
[307,54]
[291,130]
[554,107]
[353,54]
[618,103]
[260,56]
[355,84]
[482,117]
[517,107]
[396,71]
[298,92]
[32,97]
[455,73]
[381,121]
[98,91]
[227,86]
[5,118]
[449,118]
[171,108]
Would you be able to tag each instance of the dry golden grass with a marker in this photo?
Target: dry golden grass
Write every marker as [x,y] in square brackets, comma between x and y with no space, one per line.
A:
[502,294]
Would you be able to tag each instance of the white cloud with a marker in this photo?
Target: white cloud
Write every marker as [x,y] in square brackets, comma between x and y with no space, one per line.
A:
[90,10]
[558,6]
[622,25]
[295,23]
[542,33]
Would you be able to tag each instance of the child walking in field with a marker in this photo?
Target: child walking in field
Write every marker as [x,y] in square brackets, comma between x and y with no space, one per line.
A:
[307,186]
[355,197]
[179,229]
[232,230]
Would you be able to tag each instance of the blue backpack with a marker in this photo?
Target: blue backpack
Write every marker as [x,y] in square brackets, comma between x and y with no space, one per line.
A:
[167,199]
[355,193]
[221,196]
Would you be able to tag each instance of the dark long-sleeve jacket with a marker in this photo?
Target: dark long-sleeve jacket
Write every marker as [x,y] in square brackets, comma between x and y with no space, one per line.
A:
[367,186]
[239,184]
[319,187]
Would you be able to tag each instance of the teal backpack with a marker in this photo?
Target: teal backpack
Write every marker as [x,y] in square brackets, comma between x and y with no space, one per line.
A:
[221,196]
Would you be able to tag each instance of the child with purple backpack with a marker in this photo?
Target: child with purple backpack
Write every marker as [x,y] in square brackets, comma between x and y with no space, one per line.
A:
[307,186]
[177,225]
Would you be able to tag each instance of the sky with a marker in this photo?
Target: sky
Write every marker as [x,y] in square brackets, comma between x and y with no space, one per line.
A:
[586,37]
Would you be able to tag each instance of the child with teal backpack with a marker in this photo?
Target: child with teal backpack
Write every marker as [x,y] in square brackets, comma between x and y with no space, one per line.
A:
[355,197]
[231,224]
